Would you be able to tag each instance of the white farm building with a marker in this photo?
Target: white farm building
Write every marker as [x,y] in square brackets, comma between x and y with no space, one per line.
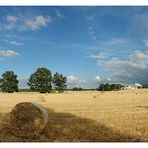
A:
[135,86]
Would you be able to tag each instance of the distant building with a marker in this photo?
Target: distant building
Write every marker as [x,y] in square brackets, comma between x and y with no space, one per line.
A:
[138,85]
[130,87]
[135,86]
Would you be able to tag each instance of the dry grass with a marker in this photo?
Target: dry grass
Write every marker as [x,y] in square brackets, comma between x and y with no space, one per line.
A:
[79,116]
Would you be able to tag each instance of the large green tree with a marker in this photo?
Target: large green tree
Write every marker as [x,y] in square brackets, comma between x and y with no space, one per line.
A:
[59,82]
[9,82]
[41,80]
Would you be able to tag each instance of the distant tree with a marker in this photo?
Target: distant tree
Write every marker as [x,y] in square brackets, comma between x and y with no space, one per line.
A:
[75,89]
[109,87]
[145,86]
[1,81]
[59,82]
[41,80]
[9,82]
[101,87]
[80,88]
[113,87]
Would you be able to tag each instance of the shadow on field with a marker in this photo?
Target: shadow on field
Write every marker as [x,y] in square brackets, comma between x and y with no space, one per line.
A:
[66,127]
[140,106]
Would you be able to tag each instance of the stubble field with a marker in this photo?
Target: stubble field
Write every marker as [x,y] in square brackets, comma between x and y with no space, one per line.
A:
[85,116]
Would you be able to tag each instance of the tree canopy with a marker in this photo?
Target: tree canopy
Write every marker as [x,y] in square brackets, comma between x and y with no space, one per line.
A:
[41,80]
[109,87]
[77,88]
[59,82]
[9,82]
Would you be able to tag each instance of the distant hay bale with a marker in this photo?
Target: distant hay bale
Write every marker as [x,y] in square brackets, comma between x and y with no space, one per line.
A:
[28,119]
[41,98]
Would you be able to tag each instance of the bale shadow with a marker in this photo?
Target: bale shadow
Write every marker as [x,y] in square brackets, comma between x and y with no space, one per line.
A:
[66,127]
[141,106]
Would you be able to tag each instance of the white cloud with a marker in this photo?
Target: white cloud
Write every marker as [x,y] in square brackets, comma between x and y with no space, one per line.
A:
[133,68]
[10,24]
[97,78]
[12,42]
[16,43]
[22,23]
[37,22]
[8,53]
[100,55]
[11,19]
[73,81]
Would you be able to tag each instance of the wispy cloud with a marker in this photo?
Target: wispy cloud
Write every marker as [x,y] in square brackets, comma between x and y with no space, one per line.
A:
[146,43]
[140,22]
[37,22]
[117,41]
[12,42]
[11,19]
[10,22]
[8,53]
[99,55]
[90,17]
[91,32]
[73,81]
[60,14]
[79,46]
[16,43]
[22,23]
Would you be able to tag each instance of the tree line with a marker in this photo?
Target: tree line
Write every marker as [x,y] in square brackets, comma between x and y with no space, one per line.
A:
[102,87]
[41,80]
[109,87]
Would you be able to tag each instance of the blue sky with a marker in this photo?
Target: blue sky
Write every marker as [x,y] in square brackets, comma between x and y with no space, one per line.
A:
[89,45]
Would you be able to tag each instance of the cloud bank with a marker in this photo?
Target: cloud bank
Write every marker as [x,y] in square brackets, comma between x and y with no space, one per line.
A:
[133,68]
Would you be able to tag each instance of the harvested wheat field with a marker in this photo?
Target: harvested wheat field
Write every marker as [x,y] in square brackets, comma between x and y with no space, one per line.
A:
[83,116]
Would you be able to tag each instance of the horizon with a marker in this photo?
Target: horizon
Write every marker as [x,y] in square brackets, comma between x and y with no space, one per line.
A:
[88,45]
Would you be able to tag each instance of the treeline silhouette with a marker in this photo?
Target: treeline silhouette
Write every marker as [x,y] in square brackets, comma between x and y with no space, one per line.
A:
[102,87]
[41,81]
[109,87]
[145,86]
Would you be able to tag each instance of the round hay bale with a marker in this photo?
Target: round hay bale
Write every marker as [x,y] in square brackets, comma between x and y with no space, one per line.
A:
[41,98]
[28,119]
